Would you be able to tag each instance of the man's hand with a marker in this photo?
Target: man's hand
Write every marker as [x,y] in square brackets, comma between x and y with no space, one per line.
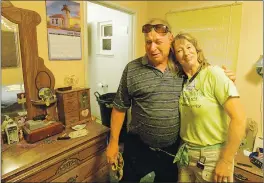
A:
[224,171]
[229,73]
[112,152]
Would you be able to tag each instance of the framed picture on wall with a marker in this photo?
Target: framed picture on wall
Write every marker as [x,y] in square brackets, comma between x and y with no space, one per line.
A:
[64,30]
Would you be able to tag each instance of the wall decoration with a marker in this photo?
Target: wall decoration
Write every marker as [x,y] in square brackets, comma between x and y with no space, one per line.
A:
[64,30]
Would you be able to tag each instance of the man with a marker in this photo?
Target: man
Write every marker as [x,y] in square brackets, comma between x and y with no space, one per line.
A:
[150,85]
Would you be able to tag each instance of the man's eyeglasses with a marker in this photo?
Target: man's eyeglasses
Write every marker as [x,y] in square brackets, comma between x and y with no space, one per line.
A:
[159,28]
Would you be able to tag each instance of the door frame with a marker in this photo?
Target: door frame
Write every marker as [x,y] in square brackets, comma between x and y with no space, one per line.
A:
[132,31]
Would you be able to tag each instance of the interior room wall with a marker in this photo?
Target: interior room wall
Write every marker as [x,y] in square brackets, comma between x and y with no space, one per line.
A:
[106,69]
[61,68]
[140,9]
[12,76]
[248,82]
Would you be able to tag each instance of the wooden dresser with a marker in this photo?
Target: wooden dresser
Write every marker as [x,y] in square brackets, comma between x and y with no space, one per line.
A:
[50,160]
[246,174]
[74,106]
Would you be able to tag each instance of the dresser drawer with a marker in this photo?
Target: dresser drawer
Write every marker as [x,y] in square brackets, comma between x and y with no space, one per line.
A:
[70,105]
[64,163]
[101,175]
[85,170]
[71,117]
[70,96]
[241,175]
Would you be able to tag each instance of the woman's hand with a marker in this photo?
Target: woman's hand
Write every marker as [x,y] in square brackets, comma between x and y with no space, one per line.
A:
[224,171]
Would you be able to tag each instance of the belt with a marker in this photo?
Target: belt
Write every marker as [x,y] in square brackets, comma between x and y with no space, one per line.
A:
[161,150]
[182,157]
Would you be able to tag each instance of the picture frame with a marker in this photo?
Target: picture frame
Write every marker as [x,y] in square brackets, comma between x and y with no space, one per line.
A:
[64,30]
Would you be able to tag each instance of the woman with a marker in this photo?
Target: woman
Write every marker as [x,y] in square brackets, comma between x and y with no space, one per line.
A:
[208,98]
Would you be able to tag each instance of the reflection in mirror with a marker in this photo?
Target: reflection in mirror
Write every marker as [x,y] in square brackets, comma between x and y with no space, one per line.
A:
[12,76]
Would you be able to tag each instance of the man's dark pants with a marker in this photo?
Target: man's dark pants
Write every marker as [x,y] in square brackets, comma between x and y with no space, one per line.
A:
[140,160]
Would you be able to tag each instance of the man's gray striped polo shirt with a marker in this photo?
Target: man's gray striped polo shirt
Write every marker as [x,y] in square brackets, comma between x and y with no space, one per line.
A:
[154,98]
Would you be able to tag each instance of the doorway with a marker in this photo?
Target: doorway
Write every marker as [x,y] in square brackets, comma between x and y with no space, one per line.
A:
[110,48]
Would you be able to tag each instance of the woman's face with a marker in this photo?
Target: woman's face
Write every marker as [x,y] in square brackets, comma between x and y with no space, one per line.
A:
[185,52]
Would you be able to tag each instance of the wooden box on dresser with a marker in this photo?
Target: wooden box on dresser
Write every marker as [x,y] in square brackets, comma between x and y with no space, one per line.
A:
[74,160]
[74,106]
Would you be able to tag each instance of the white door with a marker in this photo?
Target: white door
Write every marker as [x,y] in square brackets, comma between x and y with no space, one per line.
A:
[107,61]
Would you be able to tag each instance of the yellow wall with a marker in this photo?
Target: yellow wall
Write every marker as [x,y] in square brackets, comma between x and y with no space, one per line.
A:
[60,69]
[12,76]
[250,48]
[158,9]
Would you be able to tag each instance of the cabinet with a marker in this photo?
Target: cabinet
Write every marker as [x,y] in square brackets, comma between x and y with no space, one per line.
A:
[74,106]
[74,160]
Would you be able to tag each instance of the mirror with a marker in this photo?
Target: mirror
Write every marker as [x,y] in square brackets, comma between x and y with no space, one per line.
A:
[32,64]
[10,51]
[12,76]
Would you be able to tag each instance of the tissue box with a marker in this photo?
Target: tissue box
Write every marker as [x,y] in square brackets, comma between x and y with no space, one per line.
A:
[32,136]
[33,125]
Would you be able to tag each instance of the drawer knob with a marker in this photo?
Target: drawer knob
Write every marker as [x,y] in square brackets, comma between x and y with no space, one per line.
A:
[72,179]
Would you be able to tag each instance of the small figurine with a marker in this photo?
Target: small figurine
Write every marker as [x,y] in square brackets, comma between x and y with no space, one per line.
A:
[5,122]
[21,99]
[46,95]
[21,136]
[11,130]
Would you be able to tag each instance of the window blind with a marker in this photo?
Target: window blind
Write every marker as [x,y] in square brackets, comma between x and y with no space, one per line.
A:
[216,28]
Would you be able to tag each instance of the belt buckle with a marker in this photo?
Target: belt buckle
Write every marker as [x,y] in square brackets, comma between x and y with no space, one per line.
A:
[201,162]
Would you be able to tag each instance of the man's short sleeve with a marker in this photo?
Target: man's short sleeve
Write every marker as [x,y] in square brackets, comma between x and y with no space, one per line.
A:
[123,100]
[223,86]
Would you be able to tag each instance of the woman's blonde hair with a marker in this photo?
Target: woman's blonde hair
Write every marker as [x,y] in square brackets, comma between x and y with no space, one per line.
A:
[200,55]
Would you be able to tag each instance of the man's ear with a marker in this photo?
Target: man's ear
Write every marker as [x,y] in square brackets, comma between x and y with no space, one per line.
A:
[171,37]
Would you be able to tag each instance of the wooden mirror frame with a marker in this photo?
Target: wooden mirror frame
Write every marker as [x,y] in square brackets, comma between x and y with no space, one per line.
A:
[32,64]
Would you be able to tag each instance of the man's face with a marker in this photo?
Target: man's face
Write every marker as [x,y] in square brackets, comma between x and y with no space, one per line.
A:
[157,46]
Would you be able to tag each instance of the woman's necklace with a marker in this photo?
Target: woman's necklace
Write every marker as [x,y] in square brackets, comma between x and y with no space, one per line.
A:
[185,79]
